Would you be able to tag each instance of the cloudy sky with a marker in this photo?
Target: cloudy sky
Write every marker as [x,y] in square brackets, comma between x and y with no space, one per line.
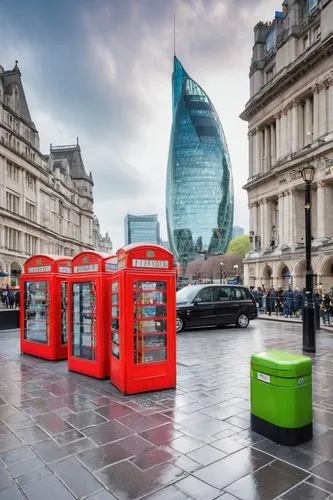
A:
[101,70]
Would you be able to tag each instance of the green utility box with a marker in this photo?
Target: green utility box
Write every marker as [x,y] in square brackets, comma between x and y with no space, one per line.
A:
[281,396]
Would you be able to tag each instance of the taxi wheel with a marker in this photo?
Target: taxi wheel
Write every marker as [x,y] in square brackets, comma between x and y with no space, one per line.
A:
[242,321]
[179,324]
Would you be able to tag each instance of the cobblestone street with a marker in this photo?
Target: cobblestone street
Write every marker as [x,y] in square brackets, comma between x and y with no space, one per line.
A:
[63,435]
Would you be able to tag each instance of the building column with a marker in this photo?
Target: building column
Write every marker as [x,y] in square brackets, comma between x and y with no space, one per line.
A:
[286,219]
[257,152]
[321,209]
[292,217]
[294,132]
[267,151]
[316,110]
[307,122]
[278,135]
[280,228]
[267,229]
[330,105]
[300,120]
[250,137]
[323,111]
[273,144]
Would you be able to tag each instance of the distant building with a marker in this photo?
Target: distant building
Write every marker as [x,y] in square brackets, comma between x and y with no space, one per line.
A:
[101,243]
[142,229]
[46,201]
[237,231]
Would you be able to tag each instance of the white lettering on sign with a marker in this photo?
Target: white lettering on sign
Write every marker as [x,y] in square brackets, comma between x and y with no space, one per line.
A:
[264,377]
[87,268]
[64,269]
[111,264]
[39,269]
[157,264]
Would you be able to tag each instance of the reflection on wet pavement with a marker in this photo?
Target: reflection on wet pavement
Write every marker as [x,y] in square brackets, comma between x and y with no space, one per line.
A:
[64,435]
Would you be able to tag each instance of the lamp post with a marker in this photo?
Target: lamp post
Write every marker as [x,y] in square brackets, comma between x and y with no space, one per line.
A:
[235,269]
[221,271]
[309,326]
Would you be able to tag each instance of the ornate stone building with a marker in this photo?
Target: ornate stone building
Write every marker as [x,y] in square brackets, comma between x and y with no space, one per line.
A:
[290,119]
[46,202]
[101,243]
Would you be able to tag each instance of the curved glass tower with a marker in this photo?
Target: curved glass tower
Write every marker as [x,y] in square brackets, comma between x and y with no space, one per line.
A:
[199,190]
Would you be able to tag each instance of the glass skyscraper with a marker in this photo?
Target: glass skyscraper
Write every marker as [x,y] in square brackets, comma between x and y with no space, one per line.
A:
[142,229]
[199,190]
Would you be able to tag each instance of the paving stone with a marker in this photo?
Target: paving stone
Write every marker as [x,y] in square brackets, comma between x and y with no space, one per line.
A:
[305,490]
[268,482]
[197,489]
[76,477]
[25,467]
[49,487]
[233,466]
[115,477]
[85,419]
[17,455]
[52,423]
[206,455]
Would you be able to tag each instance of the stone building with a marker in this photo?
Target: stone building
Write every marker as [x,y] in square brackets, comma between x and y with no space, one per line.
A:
[46,202]
[101,243]
[290,120]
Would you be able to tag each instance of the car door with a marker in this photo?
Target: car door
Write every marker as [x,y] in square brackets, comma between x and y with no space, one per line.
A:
[202,312]
[226,305]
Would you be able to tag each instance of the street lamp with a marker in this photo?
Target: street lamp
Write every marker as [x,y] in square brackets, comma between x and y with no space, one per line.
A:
[309,325]
[235,268]
[221,271]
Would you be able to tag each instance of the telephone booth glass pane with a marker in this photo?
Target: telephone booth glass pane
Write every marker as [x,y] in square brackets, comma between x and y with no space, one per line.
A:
[115,319]
[150,321]
[84,320]
[36,311]
[64,328]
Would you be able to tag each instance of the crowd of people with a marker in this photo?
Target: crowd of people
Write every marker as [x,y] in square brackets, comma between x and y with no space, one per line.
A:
[289,302]
[10,298]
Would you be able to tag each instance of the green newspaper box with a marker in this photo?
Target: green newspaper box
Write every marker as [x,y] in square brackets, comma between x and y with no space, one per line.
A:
[281,396]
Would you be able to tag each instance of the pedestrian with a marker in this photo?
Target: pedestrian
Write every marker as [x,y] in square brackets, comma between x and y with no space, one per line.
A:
[270,300]
[326,305]
[17,299]
[10,298]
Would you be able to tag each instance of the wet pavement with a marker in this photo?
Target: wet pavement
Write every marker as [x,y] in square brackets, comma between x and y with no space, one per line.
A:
[65,436]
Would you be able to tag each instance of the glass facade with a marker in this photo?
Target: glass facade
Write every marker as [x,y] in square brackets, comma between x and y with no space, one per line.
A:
[142,229]
[199,189]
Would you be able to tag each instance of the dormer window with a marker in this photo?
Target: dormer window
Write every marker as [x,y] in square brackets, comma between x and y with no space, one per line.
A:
[312,4]
[270,39]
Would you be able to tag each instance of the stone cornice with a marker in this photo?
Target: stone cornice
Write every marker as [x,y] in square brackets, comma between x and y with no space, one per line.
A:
[286,77]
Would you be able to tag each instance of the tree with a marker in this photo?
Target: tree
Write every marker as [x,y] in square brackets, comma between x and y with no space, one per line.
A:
[240,245]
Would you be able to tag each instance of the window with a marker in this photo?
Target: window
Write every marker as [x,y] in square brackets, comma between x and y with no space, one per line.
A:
[205,295]
[12,172]
[30,244]
[12,239]
[30,181]
[306,42]
[312,4]
[270,39]
[12,202]
[30,211]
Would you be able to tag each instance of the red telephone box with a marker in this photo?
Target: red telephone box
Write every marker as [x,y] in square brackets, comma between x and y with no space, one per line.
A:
[43,306]
[143,320]
[89,313]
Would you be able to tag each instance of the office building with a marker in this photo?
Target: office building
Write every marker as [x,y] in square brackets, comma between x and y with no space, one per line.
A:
[199,188]
[142,229]
[237,231]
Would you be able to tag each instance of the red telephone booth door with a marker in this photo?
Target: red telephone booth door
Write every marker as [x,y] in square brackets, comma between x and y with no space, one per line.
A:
[36,295]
